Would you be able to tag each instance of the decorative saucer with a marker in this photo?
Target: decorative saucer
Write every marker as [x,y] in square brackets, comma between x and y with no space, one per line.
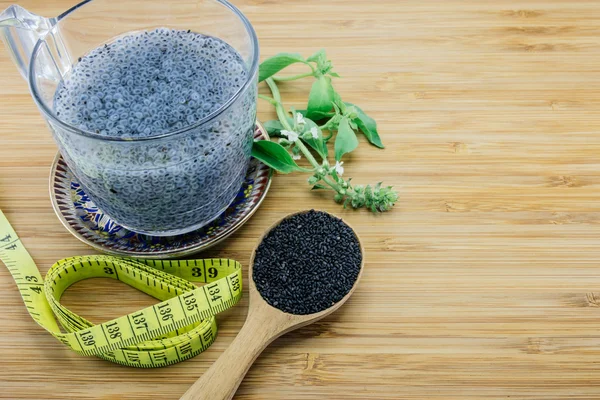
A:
[86,222]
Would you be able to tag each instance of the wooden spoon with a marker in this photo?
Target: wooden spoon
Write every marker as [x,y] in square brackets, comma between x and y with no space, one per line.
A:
[263,325]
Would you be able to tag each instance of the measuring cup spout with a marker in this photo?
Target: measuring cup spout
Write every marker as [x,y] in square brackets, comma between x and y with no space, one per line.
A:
[20,30]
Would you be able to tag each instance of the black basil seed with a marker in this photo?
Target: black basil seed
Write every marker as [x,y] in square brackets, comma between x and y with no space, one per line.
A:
[307,263]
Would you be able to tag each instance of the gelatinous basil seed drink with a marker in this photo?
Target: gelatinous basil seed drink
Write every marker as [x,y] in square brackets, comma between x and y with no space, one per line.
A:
[144,85]
[149,83]
[307,263]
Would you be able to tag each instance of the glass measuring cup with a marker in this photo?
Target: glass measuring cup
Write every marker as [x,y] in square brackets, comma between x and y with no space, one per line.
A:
[164,184]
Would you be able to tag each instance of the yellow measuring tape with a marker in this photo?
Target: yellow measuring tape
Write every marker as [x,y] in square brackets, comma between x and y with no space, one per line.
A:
[180,327]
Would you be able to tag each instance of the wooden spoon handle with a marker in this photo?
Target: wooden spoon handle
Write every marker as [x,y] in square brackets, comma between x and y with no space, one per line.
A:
[222,379]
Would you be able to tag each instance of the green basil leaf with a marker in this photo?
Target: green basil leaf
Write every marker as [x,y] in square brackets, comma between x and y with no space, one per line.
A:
[345,140]
[368,126]
[317,116]
[335,74]
[320,98]
[273,128]
[273,65]
[318,56]
[336,108]
[337,101]
[318,144]
[335,176]
[274,155]
[319,186]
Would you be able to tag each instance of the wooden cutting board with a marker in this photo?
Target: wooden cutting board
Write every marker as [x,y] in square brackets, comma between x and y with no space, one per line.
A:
[482,283]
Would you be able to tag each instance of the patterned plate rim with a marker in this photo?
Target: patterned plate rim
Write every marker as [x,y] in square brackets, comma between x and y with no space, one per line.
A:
[172,253]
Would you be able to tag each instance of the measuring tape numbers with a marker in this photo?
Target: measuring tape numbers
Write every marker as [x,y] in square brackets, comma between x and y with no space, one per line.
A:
[180,327]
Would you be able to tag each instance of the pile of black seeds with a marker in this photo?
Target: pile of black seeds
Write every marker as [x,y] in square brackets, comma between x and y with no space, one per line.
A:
[307,263]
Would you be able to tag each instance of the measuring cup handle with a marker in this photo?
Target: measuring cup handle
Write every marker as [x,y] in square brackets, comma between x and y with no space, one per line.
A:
[222,379]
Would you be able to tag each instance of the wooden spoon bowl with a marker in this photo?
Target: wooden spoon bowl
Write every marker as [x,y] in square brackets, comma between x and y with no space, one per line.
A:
[263,325]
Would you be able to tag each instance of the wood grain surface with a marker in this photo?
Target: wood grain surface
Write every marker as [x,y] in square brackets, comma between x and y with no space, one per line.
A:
[482,283]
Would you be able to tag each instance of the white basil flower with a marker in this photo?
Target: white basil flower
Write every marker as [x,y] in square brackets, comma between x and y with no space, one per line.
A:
[314,132]
[338,168]
[291,135]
